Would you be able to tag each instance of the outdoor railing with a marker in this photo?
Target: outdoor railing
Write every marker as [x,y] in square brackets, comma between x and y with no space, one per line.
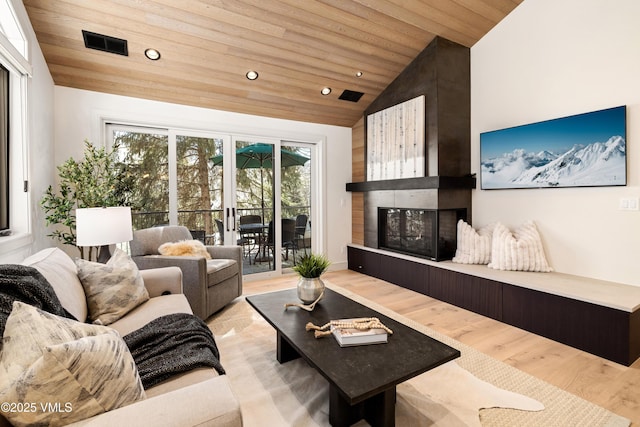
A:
[202,222]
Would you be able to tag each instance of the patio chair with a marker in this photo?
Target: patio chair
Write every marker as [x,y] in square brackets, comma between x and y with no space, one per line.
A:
[301,228]
[288,239]
[209,285]
[198,235]
[220,226]
[250,239]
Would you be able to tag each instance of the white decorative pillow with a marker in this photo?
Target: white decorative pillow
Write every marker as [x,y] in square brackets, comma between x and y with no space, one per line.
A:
[473,247]
[184,248]
[112,289]
[521,250]
[46,359]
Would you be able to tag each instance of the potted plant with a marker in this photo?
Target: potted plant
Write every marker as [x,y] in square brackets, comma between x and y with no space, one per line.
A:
[98,180]
[310,267]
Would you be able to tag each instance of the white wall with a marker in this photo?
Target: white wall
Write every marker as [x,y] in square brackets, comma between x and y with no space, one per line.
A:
[551,59]
[39,152]
[79,114]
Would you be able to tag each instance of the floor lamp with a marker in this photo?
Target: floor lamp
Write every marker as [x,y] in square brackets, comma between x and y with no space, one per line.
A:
[103,227]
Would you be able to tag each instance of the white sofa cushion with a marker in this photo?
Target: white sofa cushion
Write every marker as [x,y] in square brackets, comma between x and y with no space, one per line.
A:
[86,369]
[520,251]
[60,271]
[473,247]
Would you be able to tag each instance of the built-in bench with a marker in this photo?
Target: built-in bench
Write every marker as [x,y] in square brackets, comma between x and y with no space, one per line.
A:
[596,316]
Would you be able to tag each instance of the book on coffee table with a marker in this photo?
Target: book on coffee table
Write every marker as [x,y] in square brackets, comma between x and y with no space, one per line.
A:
[347,337]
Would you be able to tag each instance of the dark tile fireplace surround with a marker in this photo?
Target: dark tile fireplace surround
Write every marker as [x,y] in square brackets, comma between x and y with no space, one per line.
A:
[427,233]
[420,222]
[441,74]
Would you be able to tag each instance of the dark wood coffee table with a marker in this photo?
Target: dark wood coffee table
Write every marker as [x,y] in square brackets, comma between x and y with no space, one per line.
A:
[363,378]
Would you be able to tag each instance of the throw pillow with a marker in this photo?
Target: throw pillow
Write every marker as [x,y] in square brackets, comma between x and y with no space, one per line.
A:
[69,370]
[473,247]
[521,250]
[184,248]
[113,289]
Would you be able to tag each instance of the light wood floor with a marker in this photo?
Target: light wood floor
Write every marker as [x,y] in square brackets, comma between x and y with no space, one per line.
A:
[605,383]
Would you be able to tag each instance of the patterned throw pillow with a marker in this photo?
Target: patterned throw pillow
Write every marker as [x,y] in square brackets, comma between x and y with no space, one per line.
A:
[184,248]
[520,251]
[113,289]
[473,247]
[69,370]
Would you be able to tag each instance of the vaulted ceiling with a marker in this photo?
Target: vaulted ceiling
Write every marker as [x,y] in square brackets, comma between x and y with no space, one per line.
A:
[297,47]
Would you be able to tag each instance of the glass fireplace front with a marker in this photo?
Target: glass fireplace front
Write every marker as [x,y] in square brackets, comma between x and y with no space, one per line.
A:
[427,233]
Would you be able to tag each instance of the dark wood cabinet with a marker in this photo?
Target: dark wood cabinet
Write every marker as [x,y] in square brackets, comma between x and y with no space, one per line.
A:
[365,262]
[599,330]
[408,274]
[472,293]
[606,332]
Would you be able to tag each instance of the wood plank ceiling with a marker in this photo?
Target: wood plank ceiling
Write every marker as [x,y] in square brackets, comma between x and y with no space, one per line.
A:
[297,47]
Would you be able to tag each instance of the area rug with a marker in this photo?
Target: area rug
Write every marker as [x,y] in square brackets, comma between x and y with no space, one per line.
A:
[294,394]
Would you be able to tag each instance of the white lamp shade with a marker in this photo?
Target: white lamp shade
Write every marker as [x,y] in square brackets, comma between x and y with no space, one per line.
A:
[103,226]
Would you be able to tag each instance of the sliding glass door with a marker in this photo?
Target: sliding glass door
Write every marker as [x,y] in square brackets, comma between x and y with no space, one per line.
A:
[296,200]
[254,196]
[228,190]
[272,201]
[146,153]
[199,187]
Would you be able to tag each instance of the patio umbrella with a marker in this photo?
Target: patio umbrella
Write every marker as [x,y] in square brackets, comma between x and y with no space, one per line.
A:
[260,155]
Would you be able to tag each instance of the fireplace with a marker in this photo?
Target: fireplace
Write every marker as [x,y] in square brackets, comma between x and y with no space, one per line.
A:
[427,233]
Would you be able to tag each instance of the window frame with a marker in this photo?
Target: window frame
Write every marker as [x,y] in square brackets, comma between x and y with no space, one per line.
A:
[13,57]
[5,188]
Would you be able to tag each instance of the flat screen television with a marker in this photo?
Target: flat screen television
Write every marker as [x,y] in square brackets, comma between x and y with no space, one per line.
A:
[585,150]
[4,148]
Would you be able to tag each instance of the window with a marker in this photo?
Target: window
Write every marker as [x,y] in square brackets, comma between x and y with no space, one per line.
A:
[10,28]
[199,187]
[14,72]
[146,152]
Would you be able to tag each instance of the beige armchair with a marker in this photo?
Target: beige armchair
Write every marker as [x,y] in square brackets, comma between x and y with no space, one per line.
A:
[209,285]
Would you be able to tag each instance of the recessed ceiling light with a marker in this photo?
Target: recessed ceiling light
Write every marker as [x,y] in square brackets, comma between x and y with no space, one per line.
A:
[252,75]
[152,54]
[358,73]
[325,91]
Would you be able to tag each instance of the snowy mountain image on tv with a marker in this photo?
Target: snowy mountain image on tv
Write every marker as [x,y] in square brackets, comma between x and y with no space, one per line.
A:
[577,151]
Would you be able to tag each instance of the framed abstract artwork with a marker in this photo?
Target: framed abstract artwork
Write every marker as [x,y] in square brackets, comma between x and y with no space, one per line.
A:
[585,150]
[396,141]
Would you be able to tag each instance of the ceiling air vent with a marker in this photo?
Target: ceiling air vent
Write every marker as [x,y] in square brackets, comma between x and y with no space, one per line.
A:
[105,43]
[351,95]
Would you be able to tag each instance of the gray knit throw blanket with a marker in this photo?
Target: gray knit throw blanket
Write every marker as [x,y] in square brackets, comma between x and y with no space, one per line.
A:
[27,285]
[170,345]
